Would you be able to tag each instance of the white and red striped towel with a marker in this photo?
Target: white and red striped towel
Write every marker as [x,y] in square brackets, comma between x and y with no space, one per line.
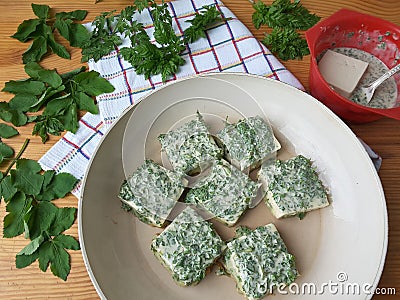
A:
[228,47]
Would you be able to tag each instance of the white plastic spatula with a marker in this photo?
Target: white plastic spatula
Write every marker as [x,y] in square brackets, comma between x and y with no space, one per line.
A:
[369,90]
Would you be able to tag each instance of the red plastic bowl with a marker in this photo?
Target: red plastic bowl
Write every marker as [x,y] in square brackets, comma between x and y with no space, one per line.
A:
[347,28]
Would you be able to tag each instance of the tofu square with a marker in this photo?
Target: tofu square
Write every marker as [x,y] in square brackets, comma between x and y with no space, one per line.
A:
[189,145]
[225,192]
[341,71]
[152,191]
[248,142]
[259,261]
[188,247]
[292,187]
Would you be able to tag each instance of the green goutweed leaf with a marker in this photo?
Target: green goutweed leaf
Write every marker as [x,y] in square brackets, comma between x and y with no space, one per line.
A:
[32,246]
[59,185]
[93,84]
[57,48]
[50,251]
[70,118]
[30,211]
[22,102]
[64,219]
[26,178]
[86,103]
[62,95]
[42,216]
[25,86]
[41,30]
[7,188]
[18,206]
[75,33]
[7,131]
[41,11]
[46,125]
[24,260]
[5,151]
[51,77]
[26,29]
[36,50]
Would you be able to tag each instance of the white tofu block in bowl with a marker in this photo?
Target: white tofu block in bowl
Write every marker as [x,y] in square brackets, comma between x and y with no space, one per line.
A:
[342,72]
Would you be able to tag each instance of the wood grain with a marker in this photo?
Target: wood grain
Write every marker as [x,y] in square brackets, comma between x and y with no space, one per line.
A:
[30,283]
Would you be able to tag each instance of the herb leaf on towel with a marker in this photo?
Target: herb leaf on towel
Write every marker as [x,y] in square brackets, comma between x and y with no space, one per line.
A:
[161,56]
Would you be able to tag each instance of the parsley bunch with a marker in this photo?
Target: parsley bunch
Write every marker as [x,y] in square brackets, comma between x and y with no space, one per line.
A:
[107,29]
[208,16]
[62,96]
[163,57]
[28,193]
[148,58]
[41,29]
[284,17]
[287,43]
[283,14]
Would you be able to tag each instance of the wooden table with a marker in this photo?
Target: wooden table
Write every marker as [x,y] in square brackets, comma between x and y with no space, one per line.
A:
[30,283]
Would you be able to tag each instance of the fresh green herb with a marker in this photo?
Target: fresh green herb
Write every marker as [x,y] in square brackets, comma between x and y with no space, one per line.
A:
[40,31]
[260,14]
[283,14]
[286,43]
[146,57]
[284,17]
[162,57]
[75,33]
[104,37]
[151,59]
[301,215]
[201,22]
[62,96]
[28,192]
[6,132]
[5,151]
[11,115]
[102,40]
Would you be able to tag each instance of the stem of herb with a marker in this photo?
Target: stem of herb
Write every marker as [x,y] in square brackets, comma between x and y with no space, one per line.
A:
[21,151]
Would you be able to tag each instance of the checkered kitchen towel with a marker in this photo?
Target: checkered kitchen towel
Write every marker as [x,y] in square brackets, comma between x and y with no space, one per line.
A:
[227,47]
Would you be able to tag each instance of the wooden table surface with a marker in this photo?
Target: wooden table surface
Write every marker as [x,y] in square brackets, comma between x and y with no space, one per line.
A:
[30,283]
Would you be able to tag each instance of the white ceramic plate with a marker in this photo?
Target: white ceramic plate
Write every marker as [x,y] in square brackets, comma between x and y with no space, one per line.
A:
[340,250]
